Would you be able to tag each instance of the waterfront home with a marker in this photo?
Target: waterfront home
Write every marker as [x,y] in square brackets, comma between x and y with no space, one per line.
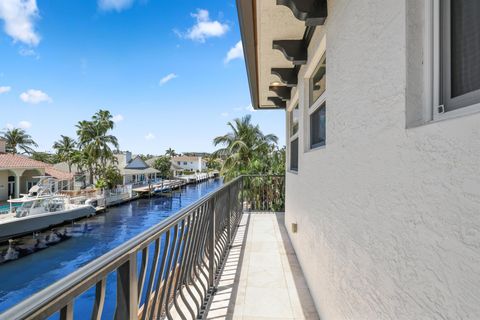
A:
[18,174]
[382,102]
[135,169]
[190,163]
[132,169]
[175,169]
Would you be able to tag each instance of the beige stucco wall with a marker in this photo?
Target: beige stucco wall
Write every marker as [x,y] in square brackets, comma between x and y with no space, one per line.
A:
[388,217]
[29,175]
[3,185]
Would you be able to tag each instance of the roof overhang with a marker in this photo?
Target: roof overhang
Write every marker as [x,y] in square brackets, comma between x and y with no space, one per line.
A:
[275,37]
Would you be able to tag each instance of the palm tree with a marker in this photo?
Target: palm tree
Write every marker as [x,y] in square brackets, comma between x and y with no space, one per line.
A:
[80,159]
[18,138]
[104,119]
[96,143]
[65,148]
[170,152]
[213,163]
[244,148]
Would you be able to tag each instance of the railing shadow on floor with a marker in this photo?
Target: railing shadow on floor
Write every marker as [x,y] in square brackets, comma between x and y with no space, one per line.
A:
[233,288]
[222,305]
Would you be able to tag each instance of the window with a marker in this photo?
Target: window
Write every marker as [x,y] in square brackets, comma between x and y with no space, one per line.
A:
[185,163]
[459,54]
[293,137]
[293,121]
[318,81]
[317,127]
[294,155]
[29,185]
[317,106]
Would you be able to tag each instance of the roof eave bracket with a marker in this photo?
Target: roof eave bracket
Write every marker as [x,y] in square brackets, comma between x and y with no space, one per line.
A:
[287,75]
[293,50]
[278,102]
[313,12]
[282,91]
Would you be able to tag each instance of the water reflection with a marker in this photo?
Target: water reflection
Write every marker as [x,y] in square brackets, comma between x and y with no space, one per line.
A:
[63,250]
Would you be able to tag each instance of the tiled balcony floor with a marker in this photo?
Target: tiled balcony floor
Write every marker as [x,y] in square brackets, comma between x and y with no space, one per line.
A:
[262,278]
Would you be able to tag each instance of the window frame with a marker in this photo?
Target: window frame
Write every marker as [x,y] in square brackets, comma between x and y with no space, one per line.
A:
[292,137]
[311,112]
[437,70]
[313,106]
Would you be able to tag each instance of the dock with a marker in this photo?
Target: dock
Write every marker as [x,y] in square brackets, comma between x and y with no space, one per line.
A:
[102,200]
[198,177]
[164,186]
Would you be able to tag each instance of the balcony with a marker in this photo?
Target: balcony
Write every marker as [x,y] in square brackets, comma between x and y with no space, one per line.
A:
[228,256]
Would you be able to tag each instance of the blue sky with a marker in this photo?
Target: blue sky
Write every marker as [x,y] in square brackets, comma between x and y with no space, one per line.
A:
[171,72]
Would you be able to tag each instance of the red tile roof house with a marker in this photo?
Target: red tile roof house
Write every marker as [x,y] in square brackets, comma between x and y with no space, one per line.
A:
[18,172]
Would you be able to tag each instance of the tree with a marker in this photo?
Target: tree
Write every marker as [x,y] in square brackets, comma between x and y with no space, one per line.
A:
[213,163]
[112,177]
[147,156]
[96,142]
[163,165]
[245,150]
[45,157]
[19,139]
[170,152]
[80,159]
[65,148]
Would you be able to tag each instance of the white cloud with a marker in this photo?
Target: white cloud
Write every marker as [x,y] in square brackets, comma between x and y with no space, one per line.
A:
[24,124]
[205,28]
[167,78]
[149,136]
[114,5]
[235,52]
[35,96]
[5,89]
[224,114]
[19,18]
[117,118]
[250,108]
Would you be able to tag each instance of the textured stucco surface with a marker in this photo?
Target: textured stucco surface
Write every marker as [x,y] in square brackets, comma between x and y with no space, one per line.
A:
[3,185]
[388,217]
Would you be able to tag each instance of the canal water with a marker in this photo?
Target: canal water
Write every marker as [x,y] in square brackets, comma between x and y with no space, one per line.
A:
[89,239]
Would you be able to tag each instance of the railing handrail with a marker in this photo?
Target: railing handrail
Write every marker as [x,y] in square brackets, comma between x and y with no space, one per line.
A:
[102,264]
[46,301]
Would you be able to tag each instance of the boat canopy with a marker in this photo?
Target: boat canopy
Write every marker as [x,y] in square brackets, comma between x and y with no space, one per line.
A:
[31,199]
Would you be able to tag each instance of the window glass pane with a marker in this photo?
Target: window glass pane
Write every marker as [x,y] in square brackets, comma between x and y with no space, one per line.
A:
[318,81]
[317,127]
[293,120]
[294,155]
[465,46]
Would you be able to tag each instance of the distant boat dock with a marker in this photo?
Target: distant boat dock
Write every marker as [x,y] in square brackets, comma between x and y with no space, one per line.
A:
[168,186]
[101,200]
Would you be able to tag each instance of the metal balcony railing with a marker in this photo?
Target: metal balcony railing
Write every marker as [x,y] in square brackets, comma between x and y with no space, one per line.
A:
[169,271]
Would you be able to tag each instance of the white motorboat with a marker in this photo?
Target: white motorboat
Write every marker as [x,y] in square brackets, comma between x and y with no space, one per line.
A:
[40,209]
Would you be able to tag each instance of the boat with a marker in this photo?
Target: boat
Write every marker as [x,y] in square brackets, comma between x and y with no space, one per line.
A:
[40,209]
